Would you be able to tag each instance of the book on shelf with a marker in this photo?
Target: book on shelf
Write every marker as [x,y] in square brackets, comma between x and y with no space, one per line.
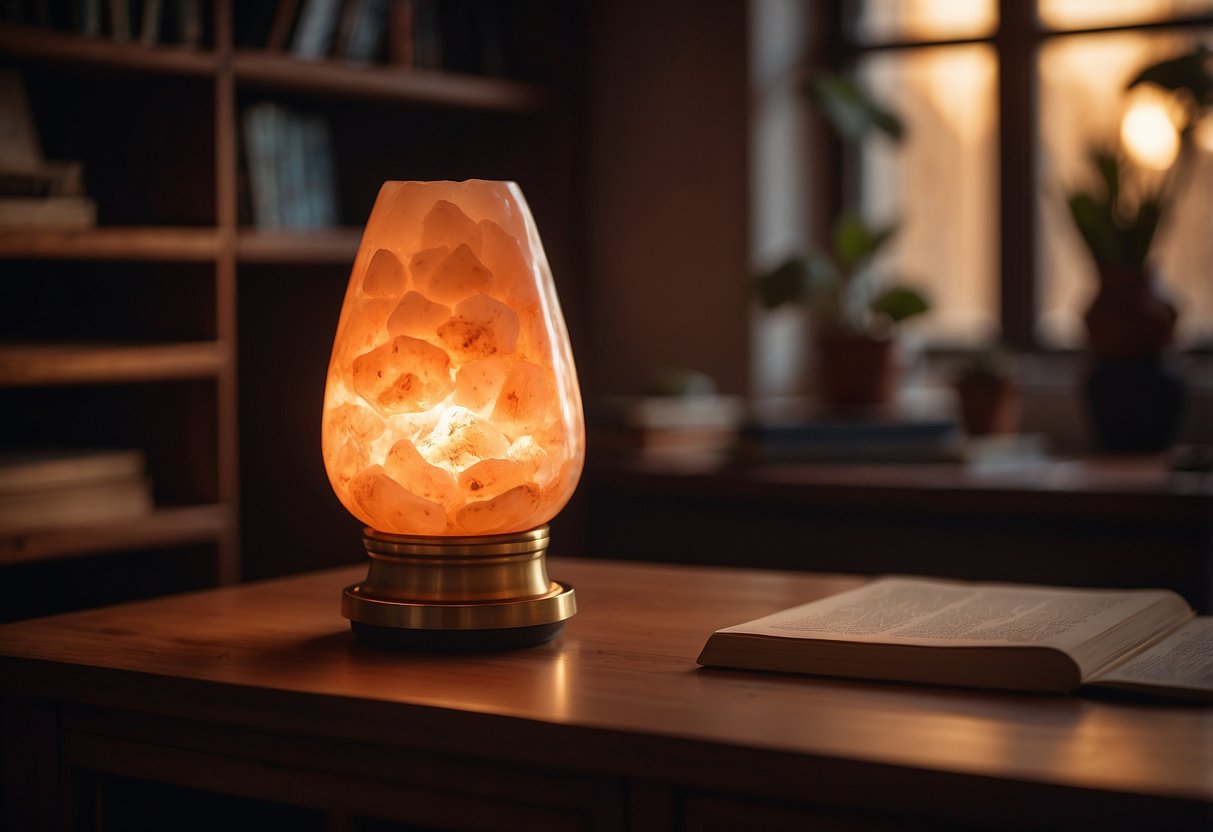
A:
[291,175]
[50,178]
[666,424]
[402,33]
[315,29]
[985,635]
[120,20]
[35,192]
[64,212]
[361,30]
[893,441]
[54,488]
[20,149]
[149,22]
[282,25]
[427,35]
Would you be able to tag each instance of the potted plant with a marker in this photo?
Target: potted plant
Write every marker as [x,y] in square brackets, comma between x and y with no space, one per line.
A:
[988,393]
[1134,394]
[854,316]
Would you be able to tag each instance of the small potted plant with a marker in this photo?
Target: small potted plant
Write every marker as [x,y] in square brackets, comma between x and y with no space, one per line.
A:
[1135,395]
[854,315]
[988,393]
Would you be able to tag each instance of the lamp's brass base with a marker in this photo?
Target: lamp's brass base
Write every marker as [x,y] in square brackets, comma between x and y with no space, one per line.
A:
[457,594]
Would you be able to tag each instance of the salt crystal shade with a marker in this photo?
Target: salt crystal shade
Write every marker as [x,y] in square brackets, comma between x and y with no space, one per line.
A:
[452,405]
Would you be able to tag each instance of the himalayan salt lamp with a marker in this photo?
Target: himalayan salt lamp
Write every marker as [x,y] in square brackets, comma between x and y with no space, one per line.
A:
[452,423]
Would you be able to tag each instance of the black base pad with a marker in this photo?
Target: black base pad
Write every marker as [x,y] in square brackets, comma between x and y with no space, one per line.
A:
[454,641]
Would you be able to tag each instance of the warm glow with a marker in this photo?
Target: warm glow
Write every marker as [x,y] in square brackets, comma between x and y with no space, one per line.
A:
[452,405]
[948,18]
[1203,135]
[1083,100]
[926,19]
[1079,14]
[940,181]
[1148,135]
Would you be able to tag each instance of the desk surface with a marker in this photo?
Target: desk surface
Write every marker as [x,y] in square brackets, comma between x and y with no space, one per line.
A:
[618,694]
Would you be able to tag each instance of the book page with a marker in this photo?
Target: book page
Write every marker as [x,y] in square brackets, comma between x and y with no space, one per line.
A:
[1184,659]
[929,612]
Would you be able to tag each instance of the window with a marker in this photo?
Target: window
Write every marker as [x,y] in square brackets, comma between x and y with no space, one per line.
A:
[1002,100]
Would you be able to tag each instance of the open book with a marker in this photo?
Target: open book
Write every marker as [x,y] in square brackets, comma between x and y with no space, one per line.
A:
[990,635]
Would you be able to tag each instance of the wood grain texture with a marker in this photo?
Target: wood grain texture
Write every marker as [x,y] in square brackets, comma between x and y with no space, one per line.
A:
[262,69]
[618,694]
[37,364]
[44,44]
[331,246]
[131,243]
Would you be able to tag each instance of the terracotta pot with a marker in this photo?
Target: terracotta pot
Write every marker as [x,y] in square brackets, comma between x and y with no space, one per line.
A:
[855,370]
[989,405]
[1128,318]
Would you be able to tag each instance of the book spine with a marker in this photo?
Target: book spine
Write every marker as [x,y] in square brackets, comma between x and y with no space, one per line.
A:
[284,21]
[259,138]
[367,33]
[292,205]
[321,177]
[402,34]
[317,25]
[68,212]
[149,26]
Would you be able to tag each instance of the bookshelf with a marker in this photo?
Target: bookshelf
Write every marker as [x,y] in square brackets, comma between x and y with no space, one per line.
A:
[188,327]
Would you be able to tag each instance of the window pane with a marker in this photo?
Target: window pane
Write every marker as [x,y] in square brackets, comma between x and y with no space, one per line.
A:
[941,181]
[1083,102]
[1084,14]
[878,21]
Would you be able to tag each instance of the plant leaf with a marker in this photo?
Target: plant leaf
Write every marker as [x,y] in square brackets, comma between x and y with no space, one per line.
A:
[1109,171]
[1094,221]
[900,302]
[850,109]
[854,241]
[1187,72]
[786,283]
[1141,234]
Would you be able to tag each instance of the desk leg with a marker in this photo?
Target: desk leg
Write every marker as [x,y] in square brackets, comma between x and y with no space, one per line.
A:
[30,769]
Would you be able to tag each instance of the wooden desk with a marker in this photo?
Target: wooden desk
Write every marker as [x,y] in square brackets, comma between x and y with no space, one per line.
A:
[1113,522]
[260,690]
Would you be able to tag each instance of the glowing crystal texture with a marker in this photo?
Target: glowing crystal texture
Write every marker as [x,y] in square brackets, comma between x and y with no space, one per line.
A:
[452,405]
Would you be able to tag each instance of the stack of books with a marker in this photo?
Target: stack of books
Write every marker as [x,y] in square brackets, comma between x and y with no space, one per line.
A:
[56,488]
[868,441]
[34,192]
[661,425]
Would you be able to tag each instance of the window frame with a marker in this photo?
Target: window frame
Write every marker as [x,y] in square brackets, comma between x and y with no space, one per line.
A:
[1017,42]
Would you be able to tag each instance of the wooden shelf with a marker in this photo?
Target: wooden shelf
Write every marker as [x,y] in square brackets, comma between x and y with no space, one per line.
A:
[328,246]
[172,276]
[36,365]
[44,44]
[176,244]
[272,70]
[163,527]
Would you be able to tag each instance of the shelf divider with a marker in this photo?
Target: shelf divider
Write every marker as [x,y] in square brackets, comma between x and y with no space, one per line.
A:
[272,70]
[162,243]
[330,246]
[44,364]
[45,44]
